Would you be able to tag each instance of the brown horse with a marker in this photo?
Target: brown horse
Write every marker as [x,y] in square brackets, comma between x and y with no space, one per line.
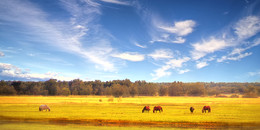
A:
[157,108]
[191,109]
[146,108]
[44,107]
[205,108]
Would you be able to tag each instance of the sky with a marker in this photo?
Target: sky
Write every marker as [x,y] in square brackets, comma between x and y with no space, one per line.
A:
[152,40]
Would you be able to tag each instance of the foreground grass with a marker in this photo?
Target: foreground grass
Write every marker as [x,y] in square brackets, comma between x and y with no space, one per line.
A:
[85,109]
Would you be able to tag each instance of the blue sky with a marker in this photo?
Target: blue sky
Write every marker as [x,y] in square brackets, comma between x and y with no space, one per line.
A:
[152,40]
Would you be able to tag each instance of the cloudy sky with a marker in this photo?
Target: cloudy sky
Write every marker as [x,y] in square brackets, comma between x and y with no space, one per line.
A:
[152,40]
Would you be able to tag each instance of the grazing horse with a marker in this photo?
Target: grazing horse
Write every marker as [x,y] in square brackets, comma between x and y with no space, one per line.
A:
[191,109]
[146,108]
[44,107]
[205,108]
[157,108]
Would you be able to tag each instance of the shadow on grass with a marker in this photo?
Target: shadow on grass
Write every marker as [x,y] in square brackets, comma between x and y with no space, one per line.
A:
[126,123]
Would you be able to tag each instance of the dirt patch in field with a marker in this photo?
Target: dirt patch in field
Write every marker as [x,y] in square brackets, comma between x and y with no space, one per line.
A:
[126,123]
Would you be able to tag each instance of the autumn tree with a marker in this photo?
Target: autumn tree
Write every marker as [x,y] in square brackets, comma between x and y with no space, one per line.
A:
[51,86]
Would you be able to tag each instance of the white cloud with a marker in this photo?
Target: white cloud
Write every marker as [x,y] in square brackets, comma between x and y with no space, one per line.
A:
[116,2]
[247,27]
[171,64]
[10,71]
[161,54]
[161,31]
[209,46]
[183,71]
[161,72]
[130,56]
[177,63]
[179,40]
[201,65]
[181,28]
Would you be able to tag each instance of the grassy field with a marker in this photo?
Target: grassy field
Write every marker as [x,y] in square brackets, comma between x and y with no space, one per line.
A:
[81,112]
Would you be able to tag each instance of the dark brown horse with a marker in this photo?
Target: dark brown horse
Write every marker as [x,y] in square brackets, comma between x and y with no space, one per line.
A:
[191,109]
[157,108]
[205,108]
[146,108]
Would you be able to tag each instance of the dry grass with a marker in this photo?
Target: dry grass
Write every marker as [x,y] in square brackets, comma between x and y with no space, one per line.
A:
[82,110]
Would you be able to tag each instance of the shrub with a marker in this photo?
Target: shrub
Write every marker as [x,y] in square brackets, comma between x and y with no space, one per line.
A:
[222,96]
[110,99]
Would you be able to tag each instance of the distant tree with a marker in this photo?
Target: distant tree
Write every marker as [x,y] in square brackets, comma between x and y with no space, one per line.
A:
[251,92]
[176,90]
[98,87]
[163,90]
[196,89]
[16,85]
[89,89]
[117,90]
[51,86]
[65,91]
[5,89]
[213,91]
[133,90]
[108,91]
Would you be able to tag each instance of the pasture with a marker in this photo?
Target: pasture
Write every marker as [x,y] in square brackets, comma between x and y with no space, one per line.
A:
[100,112]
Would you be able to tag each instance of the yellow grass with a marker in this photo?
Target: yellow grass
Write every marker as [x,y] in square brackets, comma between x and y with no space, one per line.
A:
[90,110]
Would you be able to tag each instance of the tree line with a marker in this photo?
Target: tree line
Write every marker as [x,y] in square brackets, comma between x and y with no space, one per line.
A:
[126,88]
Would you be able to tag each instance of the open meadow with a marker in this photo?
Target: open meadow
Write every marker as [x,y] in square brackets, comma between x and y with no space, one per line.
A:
[100,112]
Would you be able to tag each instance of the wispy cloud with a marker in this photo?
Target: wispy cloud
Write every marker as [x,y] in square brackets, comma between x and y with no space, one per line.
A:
[63,35]
[256,73]
[174,64]
[242,30]
[205,47]
[161,72]
[12,72]
[180,28]
[234,57]
[117,2]
[139,45]
[164,32]
[239,53]
[161,54]
[177,63]
[247,27]
[131,56]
